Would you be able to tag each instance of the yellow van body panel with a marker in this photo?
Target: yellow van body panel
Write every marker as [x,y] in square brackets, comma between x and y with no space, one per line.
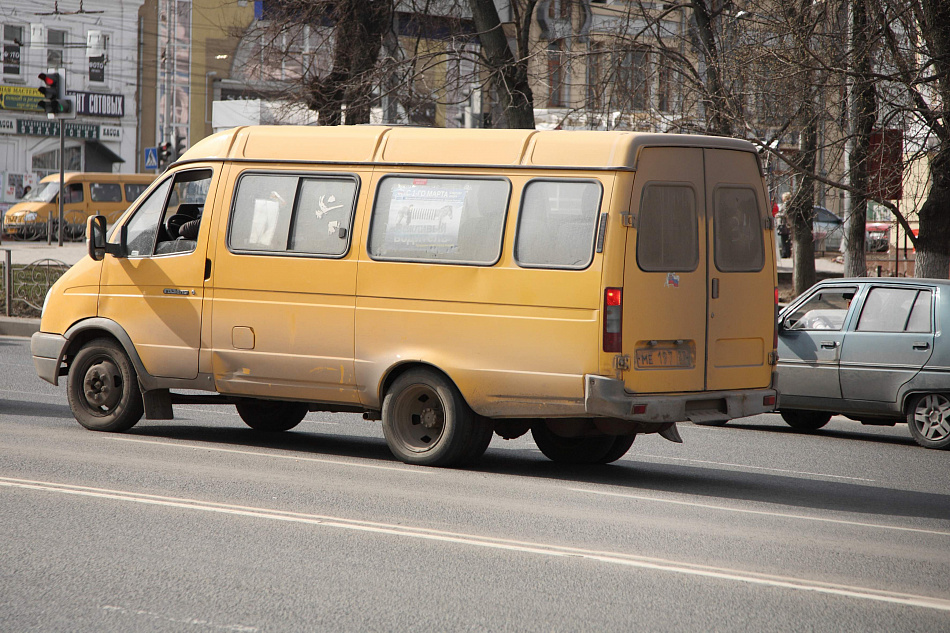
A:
[74,297]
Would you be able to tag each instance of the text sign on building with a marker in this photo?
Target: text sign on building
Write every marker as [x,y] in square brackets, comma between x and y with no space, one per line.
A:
[99,104]
[97,68]
[20,98]
[51,128]
[7,126]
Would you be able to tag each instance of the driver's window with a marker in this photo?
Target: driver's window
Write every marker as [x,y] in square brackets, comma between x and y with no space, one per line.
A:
[168,220]
[826,310]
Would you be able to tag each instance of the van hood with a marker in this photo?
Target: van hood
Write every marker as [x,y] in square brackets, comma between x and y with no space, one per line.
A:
[20,209]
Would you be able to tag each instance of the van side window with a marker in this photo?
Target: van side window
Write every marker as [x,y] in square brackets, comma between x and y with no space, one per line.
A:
[556,224]
[667,229]
[73,193]
[133,191]
[142,228]
[739,242]
[896,310]
[322,218]
[105,192]
[450,220]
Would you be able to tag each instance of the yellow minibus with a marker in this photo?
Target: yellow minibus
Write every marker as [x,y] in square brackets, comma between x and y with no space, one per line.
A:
[585,287]
[87,194]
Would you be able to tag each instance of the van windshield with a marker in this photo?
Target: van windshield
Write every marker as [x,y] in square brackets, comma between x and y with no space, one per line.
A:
[44,193]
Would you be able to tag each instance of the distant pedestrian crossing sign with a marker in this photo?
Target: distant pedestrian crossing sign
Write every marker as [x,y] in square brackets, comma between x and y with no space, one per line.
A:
[151,158]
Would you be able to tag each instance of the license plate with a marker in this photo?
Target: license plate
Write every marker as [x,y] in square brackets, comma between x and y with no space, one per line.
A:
[664,358]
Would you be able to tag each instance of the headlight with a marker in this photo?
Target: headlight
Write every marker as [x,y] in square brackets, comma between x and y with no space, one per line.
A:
[29,217]
[46,300]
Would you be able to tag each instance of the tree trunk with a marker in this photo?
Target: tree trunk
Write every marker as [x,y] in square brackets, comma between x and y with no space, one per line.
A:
[863,117]
[509,76]
[801,212]
[933,241]
[715,99]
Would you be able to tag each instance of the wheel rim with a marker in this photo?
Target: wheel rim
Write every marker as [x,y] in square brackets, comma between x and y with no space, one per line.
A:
[102,386]
[932,417]
[419,419]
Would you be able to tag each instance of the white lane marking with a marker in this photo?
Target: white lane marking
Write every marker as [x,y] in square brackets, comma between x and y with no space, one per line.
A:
[613,558]
[417,470]
[241,628]
[777,470]
[760,512]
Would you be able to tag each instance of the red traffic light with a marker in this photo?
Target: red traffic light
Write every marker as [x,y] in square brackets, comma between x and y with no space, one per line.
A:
[49,80]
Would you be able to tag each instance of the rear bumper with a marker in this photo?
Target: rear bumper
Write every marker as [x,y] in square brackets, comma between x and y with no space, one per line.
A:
[47,350]
[607,397]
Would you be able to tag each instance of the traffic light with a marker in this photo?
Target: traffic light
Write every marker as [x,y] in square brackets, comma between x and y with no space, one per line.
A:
[164,153]
[181,145]
[53,89]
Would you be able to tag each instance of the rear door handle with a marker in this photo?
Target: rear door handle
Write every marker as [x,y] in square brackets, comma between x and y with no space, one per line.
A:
[715,288]
[829,344]
[922,346]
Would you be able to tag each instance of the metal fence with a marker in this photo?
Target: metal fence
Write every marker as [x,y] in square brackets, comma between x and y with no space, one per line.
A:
[25,287]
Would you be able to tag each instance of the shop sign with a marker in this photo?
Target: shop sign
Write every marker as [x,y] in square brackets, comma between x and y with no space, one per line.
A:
[110,133]
[97,68]
[98,104]
[19,98]
[32,127]
[7,126]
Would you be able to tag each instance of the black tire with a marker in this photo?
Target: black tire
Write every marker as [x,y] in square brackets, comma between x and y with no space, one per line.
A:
[271,416]
[805,420]
[587,449]
[102,388]
[711,422]
[482,432]
[622,444]
[928,418]
[426,421]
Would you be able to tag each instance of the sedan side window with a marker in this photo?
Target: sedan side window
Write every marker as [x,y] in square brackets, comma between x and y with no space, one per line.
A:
[826,310]
[896,310]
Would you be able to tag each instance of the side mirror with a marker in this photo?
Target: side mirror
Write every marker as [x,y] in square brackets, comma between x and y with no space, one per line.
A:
[96,237]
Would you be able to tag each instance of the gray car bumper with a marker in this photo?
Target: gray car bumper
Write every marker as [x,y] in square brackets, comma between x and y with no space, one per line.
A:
[608,397]
[47,350]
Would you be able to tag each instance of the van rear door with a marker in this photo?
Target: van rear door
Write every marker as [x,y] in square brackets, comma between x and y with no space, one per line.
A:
[698,306]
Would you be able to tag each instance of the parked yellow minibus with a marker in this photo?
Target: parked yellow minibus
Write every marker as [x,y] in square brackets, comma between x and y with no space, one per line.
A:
[87,194]
[585,287]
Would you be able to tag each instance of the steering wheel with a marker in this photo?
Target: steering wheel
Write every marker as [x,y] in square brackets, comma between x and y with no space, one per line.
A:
[174,223]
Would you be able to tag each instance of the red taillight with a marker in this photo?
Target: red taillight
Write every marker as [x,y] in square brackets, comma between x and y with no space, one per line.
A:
[768,401]
[613,319]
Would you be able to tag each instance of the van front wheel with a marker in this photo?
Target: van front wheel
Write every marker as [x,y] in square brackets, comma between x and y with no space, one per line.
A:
[102,388]
[271,417]
[427,422]
[587,449]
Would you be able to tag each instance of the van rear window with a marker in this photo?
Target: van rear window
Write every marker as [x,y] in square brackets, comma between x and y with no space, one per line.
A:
[292,214]
[667,229]
[737,225]
[557,223]
[450,220]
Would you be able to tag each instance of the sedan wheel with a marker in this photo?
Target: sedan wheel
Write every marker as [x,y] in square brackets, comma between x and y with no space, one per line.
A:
[929,421]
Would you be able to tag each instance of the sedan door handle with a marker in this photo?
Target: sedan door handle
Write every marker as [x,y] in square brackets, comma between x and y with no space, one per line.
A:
[922,346]
[829,344]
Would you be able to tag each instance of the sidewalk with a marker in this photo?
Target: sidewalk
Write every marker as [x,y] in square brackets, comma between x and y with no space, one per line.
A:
[24,253]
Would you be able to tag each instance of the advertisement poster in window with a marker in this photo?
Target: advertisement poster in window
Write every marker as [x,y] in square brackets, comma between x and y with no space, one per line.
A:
[97,68]
[425,215]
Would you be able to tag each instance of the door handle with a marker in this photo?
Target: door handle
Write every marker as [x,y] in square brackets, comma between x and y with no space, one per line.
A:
[207,269]
[829,344]
[715,288]
[922,346]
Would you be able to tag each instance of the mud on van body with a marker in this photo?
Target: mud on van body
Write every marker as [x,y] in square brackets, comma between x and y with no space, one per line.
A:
[87,194]
[583,286]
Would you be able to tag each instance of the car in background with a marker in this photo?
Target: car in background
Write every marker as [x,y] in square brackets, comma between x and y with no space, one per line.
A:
[870,349]
[828,232]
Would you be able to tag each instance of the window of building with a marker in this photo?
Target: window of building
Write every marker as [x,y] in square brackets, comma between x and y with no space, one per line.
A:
[595,77]
[293,214]
[557,224]
[12,47]
[667,229]
[737,224]
[557,76]
[632,90]
[449,220]
[55,48]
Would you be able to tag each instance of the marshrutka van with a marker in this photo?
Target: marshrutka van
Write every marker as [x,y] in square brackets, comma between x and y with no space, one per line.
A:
[87,194]
[585,287]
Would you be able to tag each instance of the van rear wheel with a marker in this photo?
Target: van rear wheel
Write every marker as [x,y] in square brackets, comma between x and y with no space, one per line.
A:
[427,422]
[102,388]
[805,420]
[271,416]
[587,449]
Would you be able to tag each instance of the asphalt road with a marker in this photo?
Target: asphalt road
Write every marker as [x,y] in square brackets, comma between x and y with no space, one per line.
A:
[201,524]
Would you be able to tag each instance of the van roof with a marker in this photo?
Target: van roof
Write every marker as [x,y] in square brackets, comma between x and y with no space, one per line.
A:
[353,144]
[100,176]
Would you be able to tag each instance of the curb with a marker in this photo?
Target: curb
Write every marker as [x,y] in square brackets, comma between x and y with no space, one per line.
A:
[13,326]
